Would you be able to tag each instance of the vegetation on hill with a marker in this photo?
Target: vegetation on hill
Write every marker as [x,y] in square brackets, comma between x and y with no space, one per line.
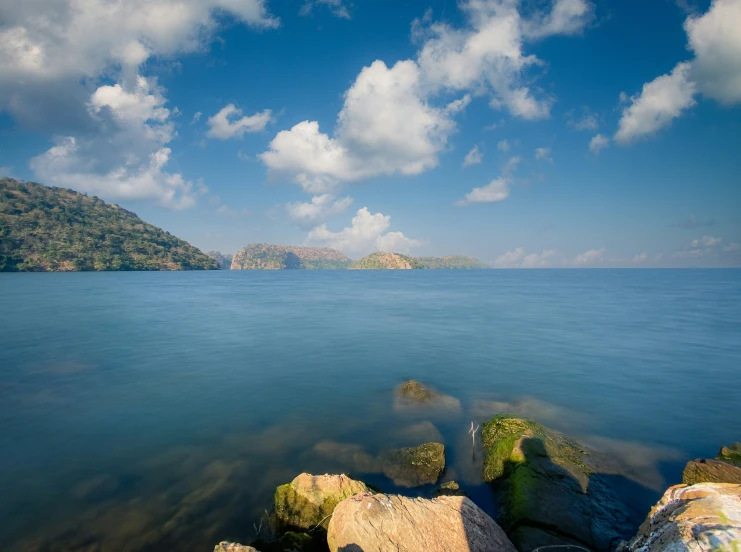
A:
[396,261]
[53,229]
[224,259]
[262,256]
[451,261]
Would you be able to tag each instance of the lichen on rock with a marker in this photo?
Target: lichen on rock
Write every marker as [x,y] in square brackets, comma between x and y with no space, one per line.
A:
[414,466]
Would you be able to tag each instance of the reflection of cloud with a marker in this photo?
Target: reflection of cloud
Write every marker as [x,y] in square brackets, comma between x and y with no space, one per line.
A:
[543,412]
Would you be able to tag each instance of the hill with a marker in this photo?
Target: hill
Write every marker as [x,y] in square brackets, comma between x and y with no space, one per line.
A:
[262,256]
[53,229]
[396,261]
[224,259]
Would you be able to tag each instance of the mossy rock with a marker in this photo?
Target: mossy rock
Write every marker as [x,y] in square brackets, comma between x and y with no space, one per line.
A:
[413,395]
[309,500]
[731,454]
[550,492]
[415,466]
[449,488]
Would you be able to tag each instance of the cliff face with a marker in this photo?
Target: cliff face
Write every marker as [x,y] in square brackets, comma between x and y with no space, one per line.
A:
[45,229]
[261,256]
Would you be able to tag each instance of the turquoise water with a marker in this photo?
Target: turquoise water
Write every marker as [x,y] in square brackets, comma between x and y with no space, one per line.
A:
[141,410]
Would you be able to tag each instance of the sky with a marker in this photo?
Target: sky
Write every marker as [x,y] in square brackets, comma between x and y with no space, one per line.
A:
[526,133]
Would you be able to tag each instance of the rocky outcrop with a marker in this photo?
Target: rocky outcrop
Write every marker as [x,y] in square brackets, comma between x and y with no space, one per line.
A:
[309,500]
[710,471]
[697,518]
[411,467]
[412,395]
[550,491]
[383,523]
[233,547]
[731,454]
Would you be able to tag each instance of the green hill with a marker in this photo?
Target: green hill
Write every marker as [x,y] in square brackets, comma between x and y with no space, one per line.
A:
[397,261]
[53,229]
[262,256]
[451,262]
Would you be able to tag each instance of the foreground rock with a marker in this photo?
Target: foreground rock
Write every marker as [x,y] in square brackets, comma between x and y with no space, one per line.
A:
[383,523]
[550,492]
[731,454]
[233,547]
[309,500]
[710,471]
[697,518]
[414,395]
[411,467]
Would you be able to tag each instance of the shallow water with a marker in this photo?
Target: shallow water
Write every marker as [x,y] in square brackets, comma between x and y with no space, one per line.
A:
[141,410]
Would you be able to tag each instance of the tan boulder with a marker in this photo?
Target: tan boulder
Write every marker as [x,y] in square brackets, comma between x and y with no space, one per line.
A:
[710,471]
[696,518]
[390,523]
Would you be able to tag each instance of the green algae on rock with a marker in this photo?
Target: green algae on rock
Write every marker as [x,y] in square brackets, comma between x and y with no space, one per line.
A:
[550,491]
[309,500]
[414,466]
[449,488]
[731,454]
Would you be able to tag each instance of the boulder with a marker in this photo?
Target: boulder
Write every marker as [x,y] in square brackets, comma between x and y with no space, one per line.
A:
[411,467]
[550,491]
[731,454]
[383,523]
[710,471]
[309,500]
[697,518]
[233,547]
[412,395]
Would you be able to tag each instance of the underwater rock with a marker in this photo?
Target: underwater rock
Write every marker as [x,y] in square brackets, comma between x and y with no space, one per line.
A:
[411,467]
[414,395]
[449,488]
[697,518]
[233,547]
[384,523]
[710,471]
[309,500]
[551,493]
[731,454]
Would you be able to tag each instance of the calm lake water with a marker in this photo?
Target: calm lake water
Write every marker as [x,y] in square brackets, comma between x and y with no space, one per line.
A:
[145,410]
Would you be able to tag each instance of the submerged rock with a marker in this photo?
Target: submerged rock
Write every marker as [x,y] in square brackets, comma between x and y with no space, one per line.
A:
[233,547]
[450,488]
[731,454]
[710,471]
[383,523]
[412,394]
[309,500]
[697,518]
[411,467]
[550,492]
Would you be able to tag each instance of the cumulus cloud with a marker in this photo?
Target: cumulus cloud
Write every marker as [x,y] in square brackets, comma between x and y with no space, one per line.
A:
[317,211]
[336,7]
[126,157]
[588,120]
[503,145]
[519,258]
[366,234]
[543,154]
[708,247]
[591,257]
[565,18]
[598,143]
[230,123]
[496,190]
[473,157]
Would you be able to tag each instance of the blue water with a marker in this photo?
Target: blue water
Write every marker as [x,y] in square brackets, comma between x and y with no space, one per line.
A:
[141,410]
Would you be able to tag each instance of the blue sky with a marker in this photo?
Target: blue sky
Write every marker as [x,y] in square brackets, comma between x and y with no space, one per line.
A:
[528,133]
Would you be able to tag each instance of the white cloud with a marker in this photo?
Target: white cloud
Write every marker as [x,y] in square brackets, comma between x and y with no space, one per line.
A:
[543,154]
[229,123]
[226,211]
[511,165]
[706,241]
[591,257]
[126,158]
[598,143]
[566,17]
[366,234]
[337,7]
[503,145]
[640,258]
[473,157]
[6,171]
[196,117]
[518,258]
[496,190]
[716,41]
[588,121]
[320,209]
[661,101]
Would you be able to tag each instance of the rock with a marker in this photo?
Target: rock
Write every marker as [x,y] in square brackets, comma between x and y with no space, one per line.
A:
[414,395]
[710,471]
[383,523]
[309,500]
[731,454]
[449,488]
[233,547]
[411,467]
[550,492]
[697,518]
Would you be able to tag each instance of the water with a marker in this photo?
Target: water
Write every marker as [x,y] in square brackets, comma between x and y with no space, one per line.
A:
[142,410]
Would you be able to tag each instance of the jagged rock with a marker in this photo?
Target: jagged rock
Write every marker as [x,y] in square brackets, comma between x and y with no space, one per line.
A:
[697,518]
[309,500]
[731,454]
[233,547]
[710,471]
[411,467]
[383,523]
[550,492]
[414,395]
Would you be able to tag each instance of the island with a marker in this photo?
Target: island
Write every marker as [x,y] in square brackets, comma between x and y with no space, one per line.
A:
[397,261]
[262,256]
[46,229]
